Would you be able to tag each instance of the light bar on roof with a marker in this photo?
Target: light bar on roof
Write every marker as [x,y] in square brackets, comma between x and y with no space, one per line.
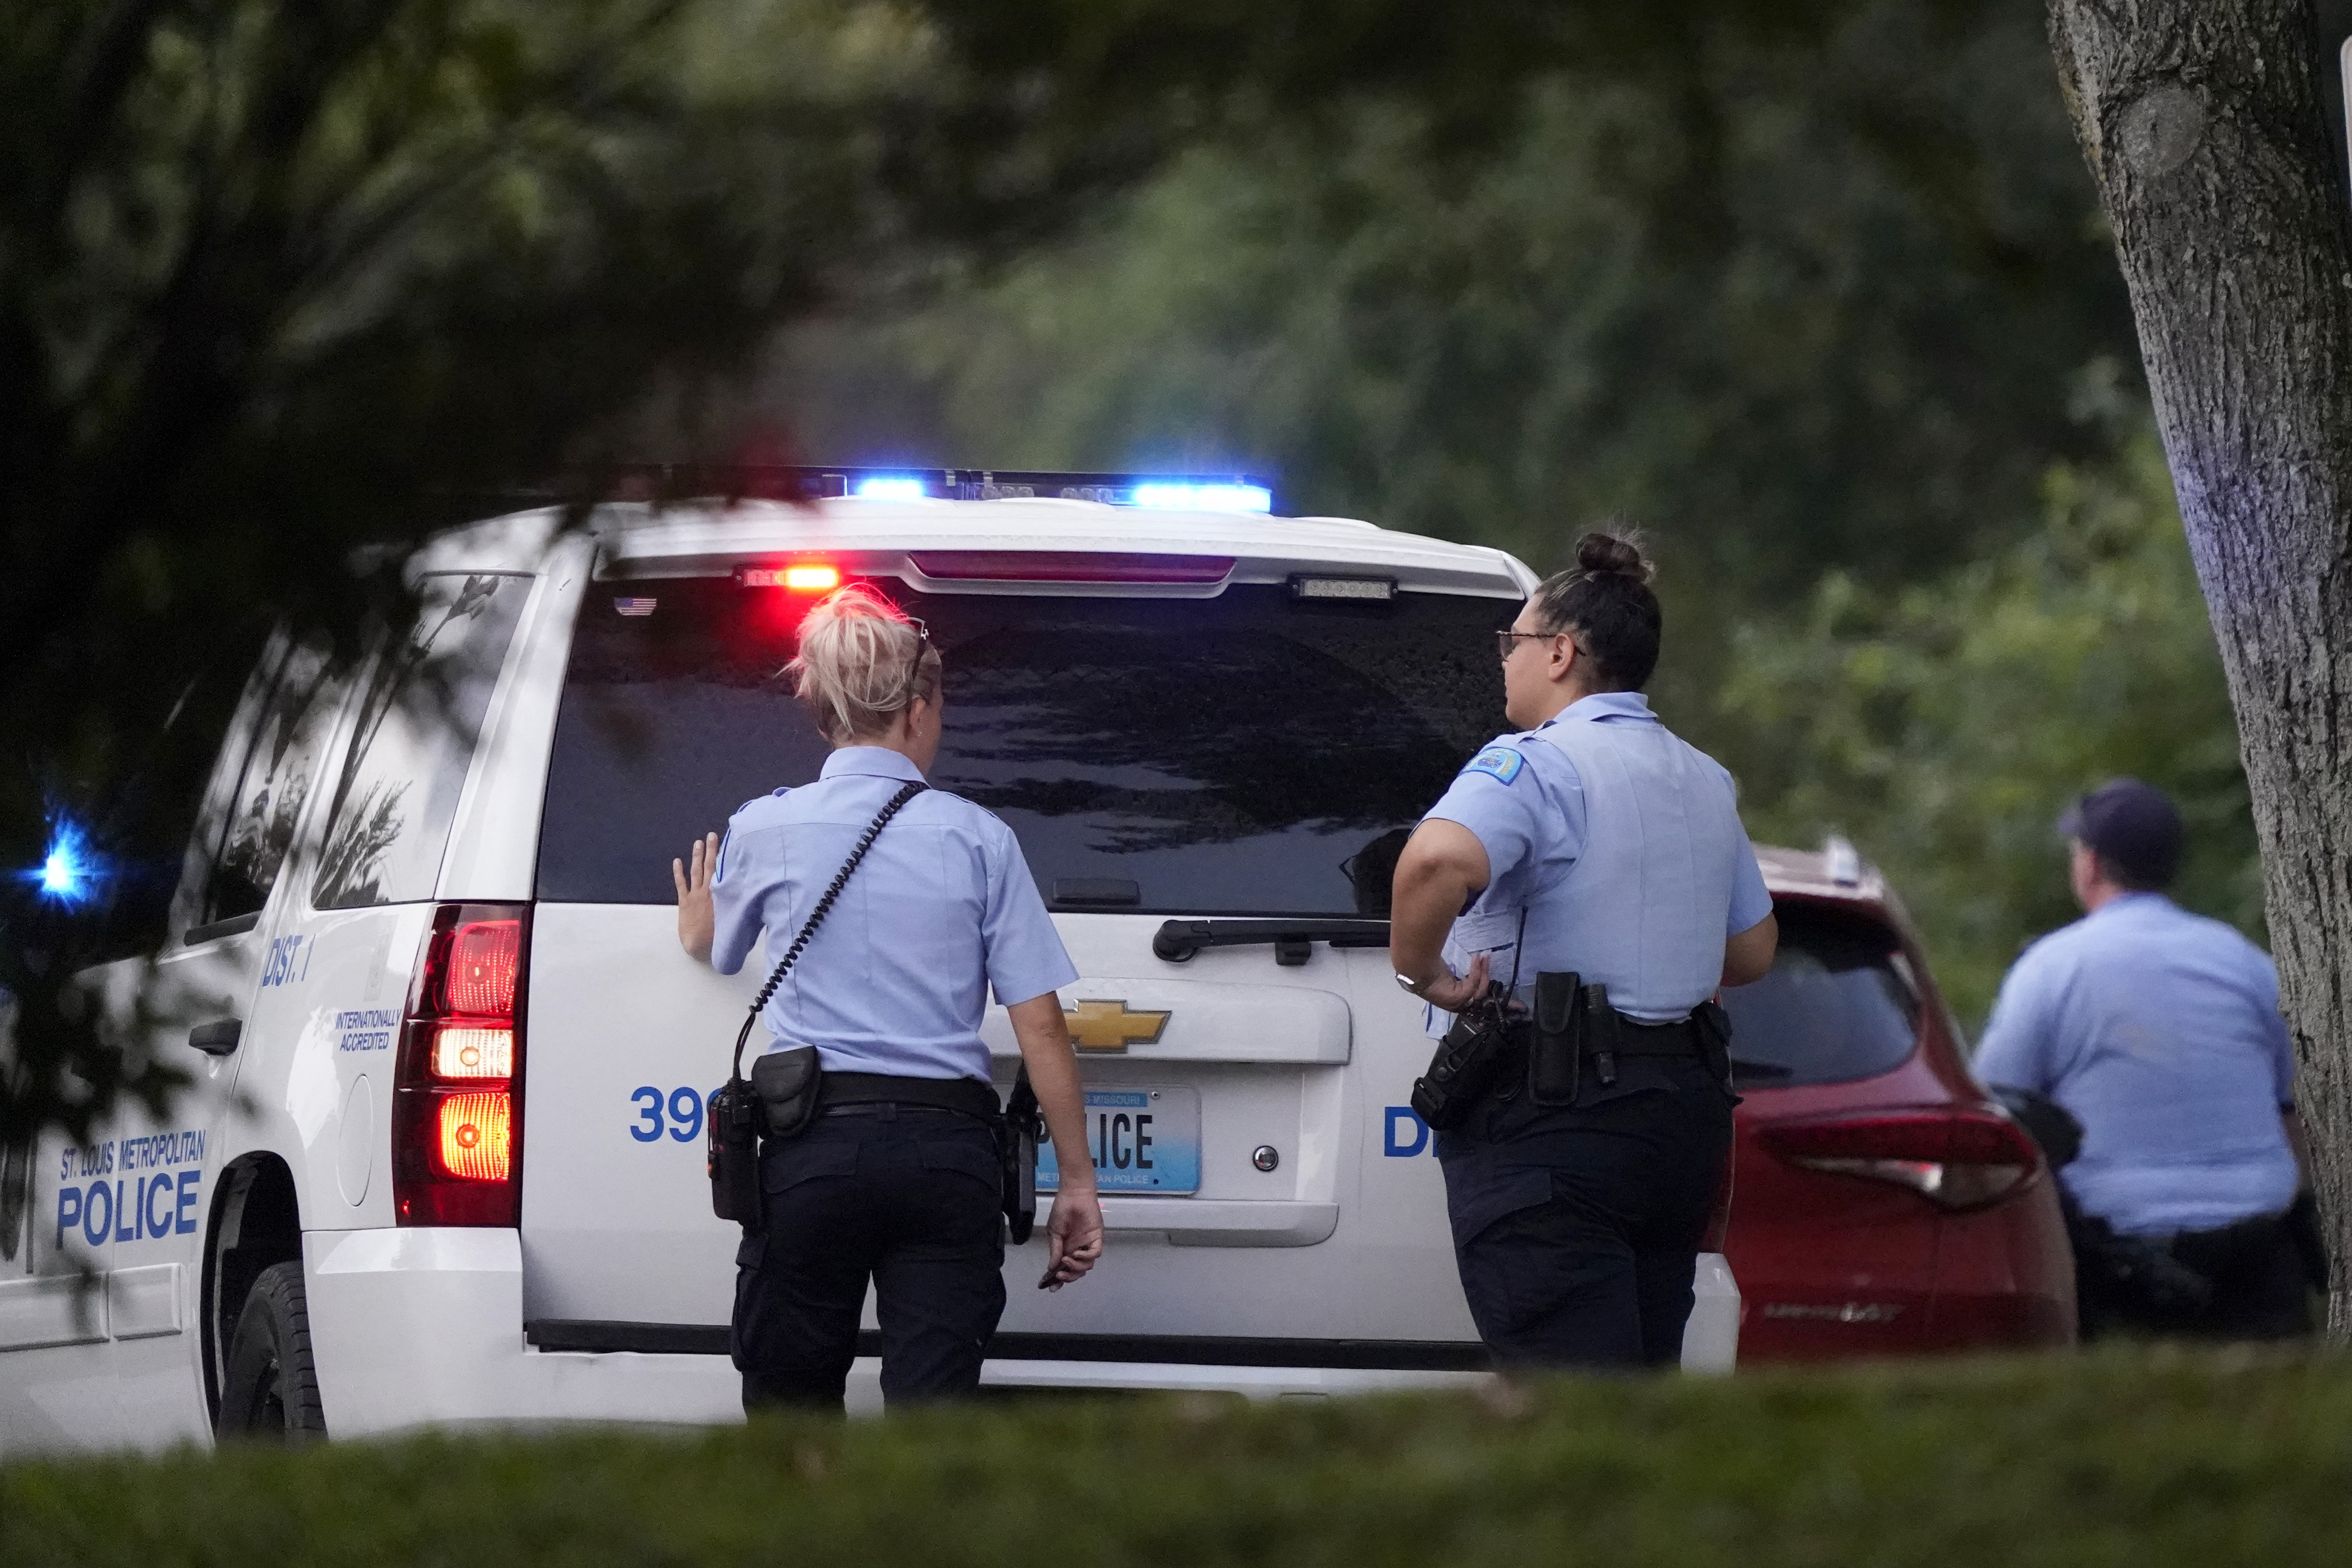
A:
[1188,498]
[1182,491]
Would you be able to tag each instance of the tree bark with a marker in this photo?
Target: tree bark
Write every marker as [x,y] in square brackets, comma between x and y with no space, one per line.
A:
[2206,125]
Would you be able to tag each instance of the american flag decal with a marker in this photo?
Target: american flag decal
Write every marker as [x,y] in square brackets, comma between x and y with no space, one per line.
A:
[634,606]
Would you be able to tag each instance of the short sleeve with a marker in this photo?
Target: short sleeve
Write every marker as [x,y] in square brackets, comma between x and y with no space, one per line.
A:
[1024,953]
[2018,1036]
[1751,900]
[737,890]
[1497,798]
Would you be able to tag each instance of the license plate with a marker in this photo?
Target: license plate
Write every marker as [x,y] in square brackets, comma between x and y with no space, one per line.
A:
[1143,1140]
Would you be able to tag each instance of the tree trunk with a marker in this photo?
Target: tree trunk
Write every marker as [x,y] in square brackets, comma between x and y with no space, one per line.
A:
[2206,125]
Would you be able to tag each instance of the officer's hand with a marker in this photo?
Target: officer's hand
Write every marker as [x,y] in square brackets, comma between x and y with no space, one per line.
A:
[696,920]
[1455,992]
[1073,1238]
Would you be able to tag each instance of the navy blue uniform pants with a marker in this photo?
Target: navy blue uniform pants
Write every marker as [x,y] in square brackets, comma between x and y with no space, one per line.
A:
[1577,1229]
[905,1196]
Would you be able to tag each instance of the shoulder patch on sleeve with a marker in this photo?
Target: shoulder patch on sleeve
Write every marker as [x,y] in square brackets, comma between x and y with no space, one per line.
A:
[1503,762]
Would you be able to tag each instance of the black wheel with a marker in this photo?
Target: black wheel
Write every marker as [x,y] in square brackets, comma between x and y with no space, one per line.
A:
[270,1391]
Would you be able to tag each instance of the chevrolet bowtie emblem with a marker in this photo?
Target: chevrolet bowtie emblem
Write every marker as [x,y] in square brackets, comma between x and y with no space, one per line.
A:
[1108,1026]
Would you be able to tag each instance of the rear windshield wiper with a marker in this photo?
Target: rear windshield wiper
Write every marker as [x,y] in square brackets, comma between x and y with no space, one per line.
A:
[1293,940]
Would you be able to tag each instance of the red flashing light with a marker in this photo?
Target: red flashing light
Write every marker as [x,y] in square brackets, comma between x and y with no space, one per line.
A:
[456,1085]
[801,577]
[1955,1158]
[1070,566]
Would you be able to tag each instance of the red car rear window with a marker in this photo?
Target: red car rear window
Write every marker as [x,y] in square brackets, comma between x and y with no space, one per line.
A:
[1833,1008]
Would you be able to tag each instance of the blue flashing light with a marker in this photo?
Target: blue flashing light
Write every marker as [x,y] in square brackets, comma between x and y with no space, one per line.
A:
[890,487]
[1205,498]
[72,870]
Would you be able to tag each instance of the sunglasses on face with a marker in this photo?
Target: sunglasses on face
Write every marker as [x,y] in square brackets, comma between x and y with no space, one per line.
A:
[1506,640]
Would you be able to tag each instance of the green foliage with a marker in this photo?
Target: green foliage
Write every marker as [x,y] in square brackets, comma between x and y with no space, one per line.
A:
[280,280]
[2142,1459]
[1798,302]
[1821,305]
[1942,726]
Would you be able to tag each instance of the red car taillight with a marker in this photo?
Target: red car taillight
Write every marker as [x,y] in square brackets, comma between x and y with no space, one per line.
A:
[1958,1157]
[458,1086]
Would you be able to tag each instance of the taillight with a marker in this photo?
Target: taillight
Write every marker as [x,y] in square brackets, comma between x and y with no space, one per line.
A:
[458,1086]
[1955,1157]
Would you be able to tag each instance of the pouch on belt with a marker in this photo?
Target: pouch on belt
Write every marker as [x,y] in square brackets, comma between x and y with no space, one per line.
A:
[1555,1058]
[787,1082]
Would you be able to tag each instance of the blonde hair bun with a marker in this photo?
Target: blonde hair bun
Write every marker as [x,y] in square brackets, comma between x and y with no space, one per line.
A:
[861,663]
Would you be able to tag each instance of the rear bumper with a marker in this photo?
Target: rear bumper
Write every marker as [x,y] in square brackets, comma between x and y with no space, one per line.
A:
[425,1327]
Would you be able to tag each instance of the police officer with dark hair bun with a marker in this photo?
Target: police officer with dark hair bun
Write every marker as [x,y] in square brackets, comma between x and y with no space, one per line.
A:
[1595,843]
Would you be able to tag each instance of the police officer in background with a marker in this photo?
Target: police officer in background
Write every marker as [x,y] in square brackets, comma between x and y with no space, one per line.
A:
[1617,849]
[896,1181]
[2158,1031]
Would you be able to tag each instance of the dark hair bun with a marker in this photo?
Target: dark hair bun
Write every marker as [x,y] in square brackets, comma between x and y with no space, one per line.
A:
[1608,553]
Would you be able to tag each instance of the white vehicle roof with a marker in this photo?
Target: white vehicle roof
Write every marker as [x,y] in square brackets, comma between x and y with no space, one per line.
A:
[860,536]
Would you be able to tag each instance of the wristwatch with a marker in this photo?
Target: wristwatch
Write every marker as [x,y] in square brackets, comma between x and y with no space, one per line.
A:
[1410,986]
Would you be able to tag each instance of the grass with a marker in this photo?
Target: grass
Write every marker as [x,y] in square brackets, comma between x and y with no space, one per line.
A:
[2144,1458]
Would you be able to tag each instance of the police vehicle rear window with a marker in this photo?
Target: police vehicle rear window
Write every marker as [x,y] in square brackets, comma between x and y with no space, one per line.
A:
[1835,1007]
[1250,754]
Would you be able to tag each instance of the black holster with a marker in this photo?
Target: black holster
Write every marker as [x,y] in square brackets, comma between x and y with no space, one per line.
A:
[1465,1064]
[1713,1023]
[1018,1130]
[732,1153]
[778,1100]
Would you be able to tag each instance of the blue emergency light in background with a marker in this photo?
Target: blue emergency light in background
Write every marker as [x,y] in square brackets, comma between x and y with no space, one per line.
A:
[1159,492]
[70,873]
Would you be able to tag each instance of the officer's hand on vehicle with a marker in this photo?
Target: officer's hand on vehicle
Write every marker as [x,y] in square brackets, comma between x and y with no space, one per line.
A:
[1454,992]
[1074,1236]
[696,922]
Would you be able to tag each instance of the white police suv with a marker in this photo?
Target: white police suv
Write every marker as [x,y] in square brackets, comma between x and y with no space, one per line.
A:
[443,1160]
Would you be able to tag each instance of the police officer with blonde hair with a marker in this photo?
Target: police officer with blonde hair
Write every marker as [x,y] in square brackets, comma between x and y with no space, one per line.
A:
[896,1180]
[1592,843]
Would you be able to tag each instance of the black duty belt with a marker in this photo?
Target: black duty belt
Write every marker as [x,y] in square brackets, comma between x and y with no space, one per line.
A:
[969,1095]
[1638,1039]
[1679,1038]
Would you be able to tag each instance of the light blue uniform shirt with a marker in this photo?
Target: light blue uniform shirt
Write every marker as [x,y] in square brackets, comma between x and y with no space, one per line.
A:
[1620,842]
[941,909]
[2159,1029]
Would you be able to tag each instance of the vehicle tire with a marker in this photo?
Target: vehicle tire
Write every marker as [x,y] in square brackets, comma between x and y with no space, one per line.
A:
[271,1392]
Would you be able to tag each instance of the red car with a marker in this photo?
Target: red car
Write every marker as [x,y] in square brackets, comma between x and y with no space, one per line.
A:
[1883,1204]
